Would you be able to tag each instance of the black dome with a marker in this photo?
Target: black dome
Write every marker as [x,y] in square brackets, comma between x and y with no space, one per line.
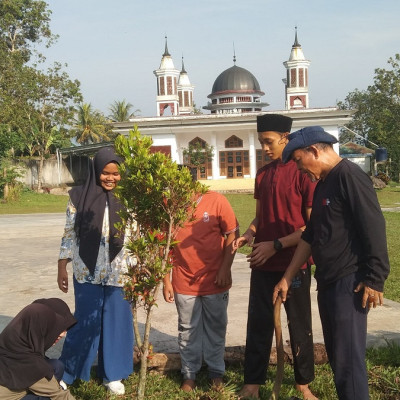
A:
[236,79]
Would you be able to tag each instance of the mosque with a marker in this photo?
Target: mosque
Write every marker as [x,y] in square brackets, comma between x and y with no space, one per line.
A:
[229,126]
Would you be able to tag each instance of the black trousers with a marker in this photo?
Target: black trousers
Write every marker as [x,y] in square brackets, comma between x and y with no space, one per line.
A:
[344,323]
[260,326]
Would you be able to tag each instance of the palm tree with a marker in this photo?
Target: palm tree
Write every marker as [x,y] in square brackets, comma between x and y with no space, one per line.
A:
[90,125]
[120,111]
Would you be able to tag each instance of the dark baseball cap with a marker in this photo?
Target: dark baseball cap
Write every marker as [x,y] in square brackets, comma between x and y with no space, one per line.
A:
[306,137]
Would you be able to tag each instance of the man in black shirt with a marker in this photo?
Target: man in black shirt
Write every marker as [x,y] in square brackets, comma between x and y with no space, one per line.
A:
[347,239]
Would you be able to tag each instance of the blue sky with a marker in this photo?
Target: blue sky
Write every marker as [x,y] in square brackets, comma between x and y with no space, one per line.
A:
[113,47]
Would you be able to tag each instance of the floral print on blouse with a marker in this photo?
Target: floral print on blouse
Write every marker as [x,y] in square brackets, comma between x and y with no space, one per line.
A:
[106,273]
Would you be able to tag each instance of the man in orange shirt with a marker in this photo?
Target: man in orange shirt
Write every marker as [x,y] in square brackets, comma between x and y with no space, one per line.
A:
[201,279]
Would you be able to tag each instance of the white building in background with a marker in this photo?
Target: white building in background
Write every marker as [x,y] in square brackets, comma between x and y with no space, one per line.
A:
[231,127]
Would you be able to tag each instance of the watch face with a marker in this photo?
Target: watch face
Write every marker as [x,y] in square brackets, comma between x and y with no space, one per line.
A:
[277,245]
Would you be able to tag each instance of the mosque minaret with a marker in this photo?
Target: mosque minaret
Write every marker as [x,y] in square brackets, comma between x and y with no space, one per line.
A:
[185,93]
[296,82]
[167,84]
[235,90]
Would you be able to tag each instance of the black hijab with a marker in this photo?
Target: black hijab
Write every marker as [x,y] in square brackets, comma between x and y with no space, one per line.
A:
[90,202]
[25,339]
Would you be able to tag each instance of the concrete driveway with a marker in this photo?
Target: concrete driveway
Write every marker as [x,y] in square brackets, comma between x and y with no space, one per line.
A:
[29,246]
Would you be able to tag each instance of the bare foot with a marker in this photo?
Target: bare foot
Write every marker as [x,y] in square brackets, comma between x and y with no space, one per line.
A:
[249,391]
[188,385]
[306,392]
[217,383]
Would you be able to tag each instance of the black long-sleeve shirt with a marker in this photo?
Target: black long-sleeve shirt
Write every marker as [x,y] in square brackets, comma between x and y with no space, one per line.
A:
[346,230]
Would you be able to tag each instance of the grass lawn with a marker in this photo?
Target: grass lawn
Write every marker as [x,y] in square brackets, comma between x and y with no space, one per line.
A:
[389,196]
[32,202]
[383,371]
[392,287]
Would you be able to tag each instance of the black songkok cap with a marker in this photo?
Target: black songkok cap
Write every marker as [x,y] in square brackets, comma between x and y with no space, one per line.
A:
[274,122]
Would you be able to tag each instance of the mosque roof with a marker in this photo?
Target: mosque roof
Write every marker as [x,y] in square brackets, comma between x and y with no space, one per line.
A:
[236,79]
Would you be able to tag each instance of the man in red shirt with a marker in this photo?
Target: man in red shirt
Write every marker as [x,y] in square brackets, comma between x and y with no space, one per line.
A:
[284,197]
[201,279]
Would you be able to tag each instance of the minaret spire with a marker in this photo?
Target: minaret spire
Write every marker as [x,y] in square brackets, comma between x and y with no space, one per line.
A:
[183,66]
[296,42]
[166,52]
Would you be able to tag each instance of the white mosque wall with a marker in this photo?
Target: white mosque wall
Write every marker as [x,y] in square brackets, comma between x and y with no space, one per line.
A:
[177,132]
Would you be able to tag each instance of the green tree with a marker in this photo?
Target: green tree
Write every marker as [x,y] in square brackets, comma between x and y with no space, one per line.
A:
[43,109]
[39,106]
[121,111]
[50,110]
[90,126]
[196,110]
[24,23]
[17,81]
[160,197]
[36,104]
[9,142]
[378,110]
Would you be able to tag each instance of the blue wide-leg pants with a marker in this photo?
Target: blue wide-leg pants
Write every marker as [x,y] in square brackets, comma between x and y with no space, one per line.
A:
[104,328]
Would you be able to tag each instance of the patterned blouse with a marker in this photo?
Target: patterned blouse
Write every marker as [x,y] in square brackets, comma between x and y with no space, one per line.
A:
[106,273]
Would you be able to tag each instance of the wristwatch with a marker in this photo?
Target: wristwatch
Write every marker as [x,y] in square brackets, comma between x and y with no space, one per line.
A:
[278,245]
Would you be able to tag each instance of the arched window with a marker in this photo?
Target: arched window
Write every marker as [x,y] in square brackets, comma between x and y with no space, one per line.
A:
[298,103]
[233,141]
[197,140]
[197,157]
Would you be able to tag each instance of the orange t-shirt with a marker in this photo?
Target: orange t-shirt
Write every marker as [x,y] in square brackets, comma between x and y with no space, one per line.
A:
[199,253]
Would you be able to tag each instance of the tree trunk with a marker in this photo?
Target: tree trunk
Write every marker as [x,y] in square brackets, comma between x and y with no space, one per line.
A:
[138,339]
[6,188]
[40,171]
[144,350]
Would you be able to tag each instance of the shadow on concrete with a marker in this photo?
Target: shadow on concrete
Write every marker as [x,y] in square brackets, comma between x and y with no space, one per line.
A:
[381,338]
[162,342]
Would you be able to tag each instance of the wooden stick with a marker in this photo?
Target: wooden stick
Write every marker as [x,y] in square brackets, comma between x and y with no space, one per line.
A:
[279,349]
